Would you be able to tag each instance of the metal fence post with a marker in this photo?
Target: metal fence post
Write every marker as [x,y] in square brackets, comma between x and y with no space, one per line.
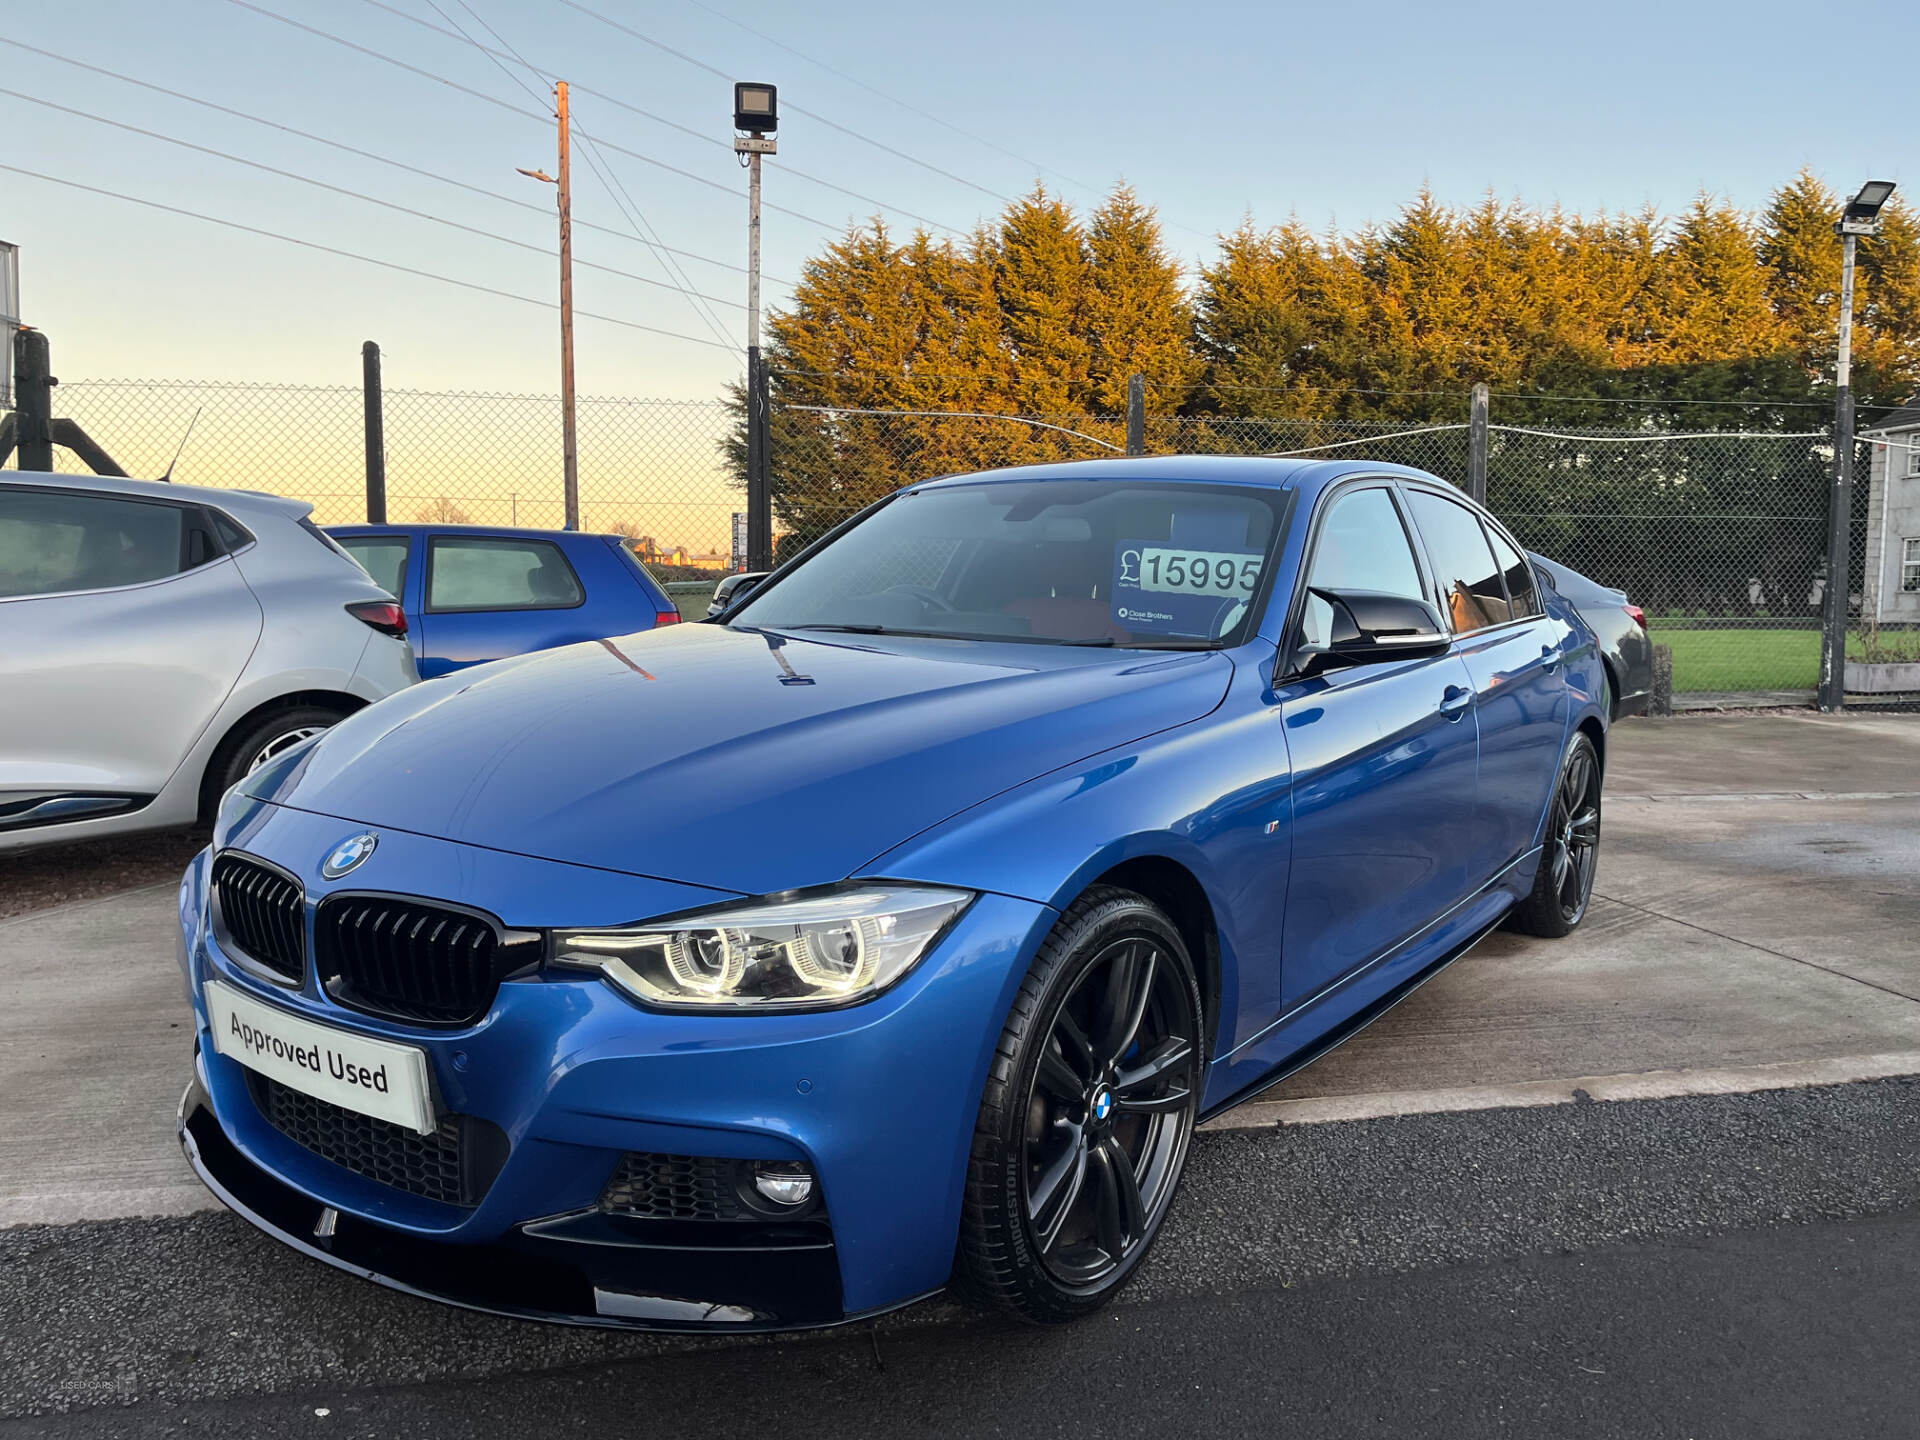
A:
[1832,694]
[1660,702]
[759,466]
[1477,445]
[1136,415]
[376,433]
[33,400]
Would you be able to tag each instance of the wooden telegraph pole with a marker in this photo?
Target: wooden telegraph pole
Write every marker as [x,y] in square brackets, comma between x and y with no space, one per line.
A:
[569,436]
[569,442]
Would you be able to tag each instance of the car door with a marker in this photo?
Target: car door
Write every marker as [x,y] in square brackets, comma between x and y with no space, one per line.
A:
[1384,759]
[487,596]
[126,624]
[1512,649]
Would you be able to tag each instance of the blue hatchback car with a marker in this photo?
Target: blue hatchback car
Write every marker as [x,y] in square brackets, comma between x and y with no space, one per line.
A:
[1020,824]
[474,593]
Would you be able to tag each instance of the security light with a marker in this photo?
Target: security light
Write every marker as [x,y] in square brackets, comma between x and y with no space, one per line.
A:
[1862,215]
[756,108]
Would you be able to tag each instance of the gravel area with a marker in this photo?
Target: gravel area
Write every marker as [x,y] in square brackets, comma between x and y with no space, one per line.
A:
[89,869]
[204,1307]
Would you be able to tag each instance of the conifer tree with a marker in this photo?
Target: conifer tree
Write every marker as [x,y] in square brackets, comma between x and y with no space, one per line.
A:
[1137,320]
[1041,280]
[1715,290]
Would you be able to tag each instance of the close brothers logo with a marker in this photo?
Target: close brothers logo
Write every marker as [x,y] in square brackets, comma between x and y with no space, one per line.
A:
[321,1060]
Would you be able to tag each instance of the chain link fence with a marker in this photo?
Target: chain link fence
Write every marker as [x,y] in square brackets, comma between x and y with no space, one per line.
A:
[1719,536]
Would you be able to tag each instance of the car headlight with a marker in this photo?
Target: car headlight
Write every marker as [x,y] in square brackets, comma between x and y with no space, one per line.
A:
[808,954]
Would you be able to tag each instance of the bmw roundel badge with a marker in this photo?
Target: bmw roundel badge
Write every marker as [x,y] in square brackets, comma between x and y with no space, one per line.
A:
[349,854]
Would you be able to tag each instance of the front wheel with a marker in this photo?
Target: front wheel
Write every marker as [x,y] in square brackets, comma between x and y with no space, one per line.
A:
[1564,885]
[1089,1108]
[264,739]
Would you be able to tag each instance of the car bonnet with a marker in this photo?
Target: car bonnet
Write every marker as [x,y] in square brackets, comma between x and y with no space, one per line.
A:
[744,760]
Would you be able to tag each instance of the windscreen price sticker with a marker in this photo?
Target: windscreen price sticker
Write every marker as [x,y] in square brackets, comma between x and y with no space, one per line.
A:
[1175,591]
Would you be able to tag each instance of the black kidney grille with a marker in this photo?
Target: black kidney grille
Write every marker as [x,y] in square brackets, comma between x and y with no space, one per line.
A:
[674,1187]
[408,959]
[455,1164]
[263,913]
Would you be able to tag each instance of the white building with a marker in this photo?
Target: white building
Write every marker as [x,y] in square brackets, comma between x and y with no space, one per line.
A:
[1892,572]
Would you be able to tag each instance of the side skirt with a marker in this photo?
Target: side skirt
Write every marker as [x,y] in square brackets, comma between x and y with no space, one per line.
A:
[1388,980]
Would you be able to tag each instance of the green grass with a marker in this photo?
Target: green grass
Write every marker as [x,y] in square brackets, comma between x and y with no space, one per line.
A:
[1758,659]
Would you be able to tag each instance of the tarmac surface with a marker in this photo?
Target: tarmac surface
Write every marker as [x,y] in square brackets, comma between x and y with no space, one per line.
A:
[1568,1187]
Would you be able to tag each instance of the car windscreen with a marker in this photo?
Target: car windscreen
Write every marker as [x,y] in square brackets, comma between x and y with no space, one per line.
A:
[1085,562]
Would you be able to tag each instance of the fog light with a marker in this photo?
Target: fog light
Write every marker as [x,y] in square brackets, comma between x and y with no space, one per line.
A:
[786,1183]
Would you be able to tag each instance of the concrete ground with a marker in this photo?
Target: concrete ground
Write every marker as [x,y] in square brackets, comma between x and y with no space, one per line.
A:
[1756,925]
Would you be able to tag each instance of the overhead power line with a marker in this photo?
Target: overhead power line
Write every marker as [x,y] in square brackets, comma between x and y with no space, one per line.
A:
[352,255]
[355,150]
[509,106]
[628,211]
[814,115]
[456,33]
[907,105]
[340,190]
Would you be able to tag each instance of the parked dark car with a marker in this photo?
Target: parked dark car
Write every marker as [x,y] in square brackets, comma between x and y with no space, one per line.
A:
[474,593]
[1621,627]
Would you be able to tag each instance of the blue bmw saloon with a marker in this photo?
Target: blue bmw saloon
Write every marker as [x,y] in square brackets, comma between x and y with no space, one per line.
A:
[895,929]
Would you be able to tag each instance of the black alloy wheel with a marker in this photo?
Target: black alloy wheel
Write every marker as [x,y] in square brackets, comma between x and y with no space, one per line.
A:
[1570,851]
[1089,1112]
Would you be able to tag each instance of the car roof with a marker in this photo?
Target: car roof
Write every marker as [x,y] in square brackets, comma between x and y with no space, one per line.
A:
[1266,471]
[515,532]
[238,502]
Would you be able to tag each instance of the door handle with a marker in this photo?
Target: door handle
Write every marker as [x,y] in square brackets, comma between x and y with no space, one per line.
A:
[1551,655]
[1454,702]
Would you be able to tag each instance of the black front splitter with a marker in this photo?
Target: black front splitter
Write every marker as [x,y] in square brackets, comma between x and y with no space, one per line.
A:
[567,1270]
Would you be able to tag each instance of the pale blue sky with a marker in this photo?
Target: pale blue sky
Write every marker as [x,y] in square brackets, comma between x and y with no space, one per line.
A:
[1210,110]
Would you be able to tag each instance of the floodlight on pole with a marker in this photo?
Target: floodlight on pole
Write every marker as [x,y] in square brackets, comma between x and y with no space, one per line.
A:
[756,115]
[1861,216]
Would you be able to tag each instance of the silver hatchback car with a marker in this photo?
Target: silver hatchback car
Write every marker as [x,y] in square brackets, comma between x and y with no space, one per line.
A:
[158,641]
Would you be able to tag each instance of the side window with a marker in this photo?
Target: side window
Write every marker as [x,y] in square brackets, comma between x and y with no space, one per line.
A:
[1513,565]
[53,541]
[232,533]
[1464,566]
[474,573]
[384,557]
[1362,546]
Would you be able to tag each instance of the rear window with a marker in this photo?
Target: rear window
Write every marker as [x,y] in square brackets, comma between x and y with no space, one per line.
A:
[306,524]
[384,557]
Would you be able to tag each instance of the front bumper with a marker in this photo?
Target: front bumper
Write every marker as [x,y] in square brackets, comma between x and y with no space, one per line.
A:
[878,1100]
[580,1269]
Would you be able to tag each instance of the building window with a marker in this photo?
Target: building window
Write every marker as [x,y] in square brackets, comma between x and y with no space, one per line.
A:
[1913,456]
[1910,566]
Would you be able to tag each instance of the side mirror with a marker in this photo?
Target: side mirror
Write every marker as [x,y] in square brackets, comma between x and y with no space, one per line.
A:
[731,589]
[1368,627]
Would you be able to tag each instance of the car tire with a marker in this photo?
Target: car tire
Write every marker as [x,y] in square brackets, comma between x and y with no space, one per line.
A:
[1563,883]
[1090,1105]
[257,742]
